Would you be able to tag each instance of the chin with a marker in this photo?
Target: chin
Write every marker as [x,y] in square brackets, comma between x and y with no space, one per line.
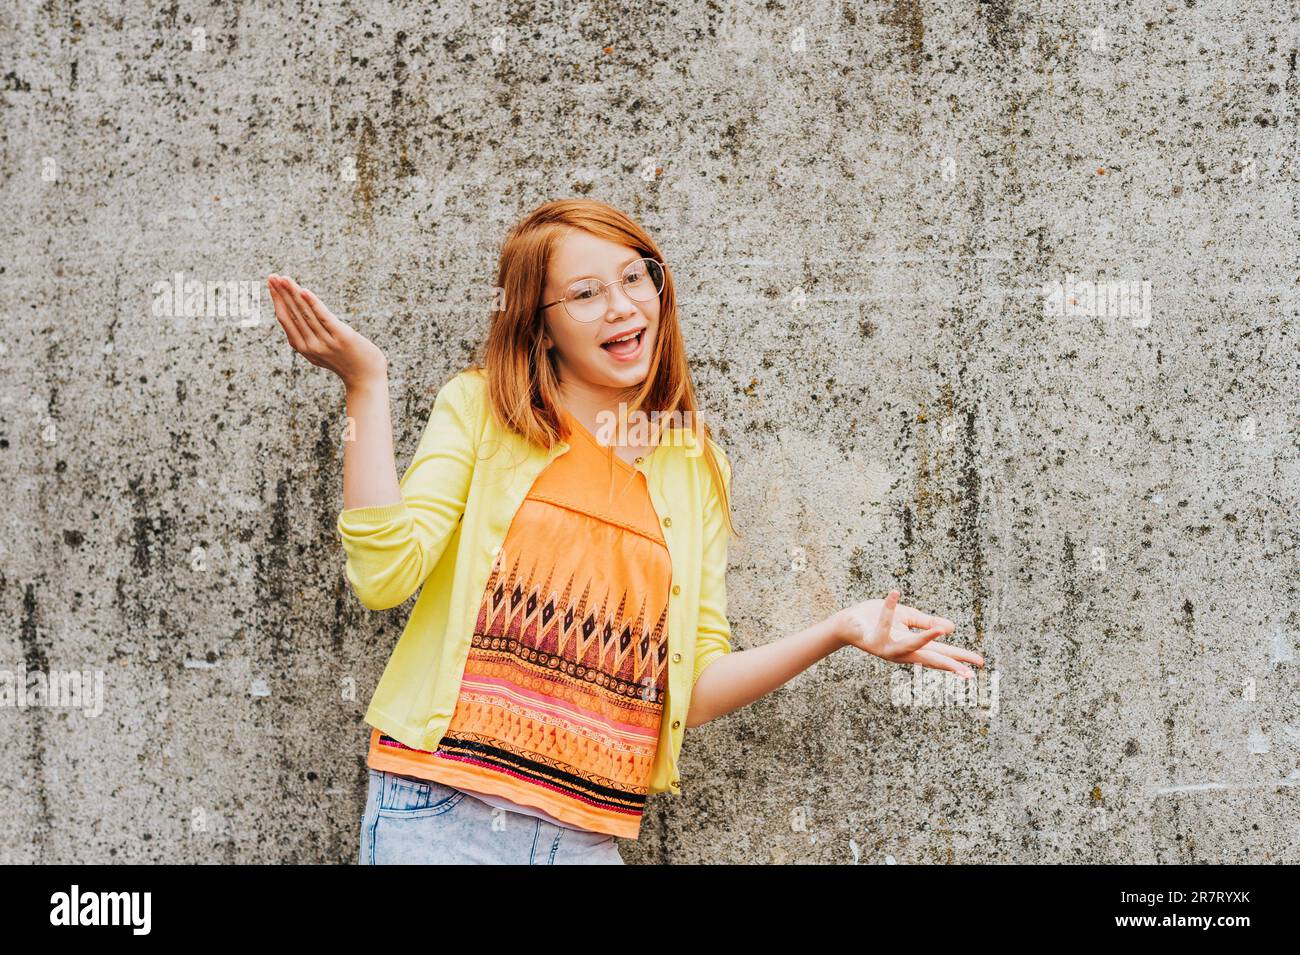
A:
[627,377]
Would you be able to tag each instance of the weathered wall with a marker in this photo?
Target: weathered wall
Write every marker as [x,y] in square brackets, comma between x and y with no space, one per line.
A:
[862,204]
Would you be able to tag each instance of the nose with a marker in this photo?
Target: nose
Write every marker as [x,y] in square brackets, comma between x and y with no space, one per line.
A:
[620,303]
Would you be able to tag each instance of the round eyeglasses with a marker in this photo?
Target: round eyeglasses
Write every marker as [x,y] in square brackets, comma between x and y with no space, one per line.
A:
[588,299]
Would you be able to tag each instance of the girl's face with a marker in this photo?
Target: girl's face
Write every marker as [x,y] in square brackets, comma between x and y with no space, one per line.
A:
[580,357]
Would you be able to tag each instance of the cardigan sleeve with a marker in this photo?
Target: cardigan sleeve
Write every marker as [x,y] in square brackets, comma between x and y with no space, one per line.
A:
[391,549]
[713,635]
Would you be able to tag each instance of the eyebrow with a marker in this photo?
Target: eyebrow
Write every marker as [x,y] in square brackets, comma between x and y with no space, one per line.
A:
[578,278]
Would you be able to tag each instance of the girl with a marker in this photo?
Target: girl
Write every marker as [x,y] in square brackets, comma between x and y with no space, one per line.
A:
[565,519]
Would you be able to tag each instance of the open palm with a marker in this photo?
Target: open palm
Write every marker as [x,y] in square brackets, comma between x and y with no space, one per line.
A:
[320,337]
[888,630]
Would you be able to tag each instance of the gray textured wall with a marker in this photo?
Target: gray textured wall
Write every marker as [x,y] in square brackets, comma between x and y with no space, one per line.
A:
[866,207]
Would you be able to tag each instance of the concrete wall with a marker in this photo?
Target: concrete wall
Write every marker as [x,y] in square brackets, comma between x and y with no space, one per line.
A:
[868,208]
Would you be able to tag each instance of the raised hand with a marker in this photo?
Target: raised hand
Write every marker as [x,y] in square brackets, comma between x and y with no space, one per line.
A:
[888,630]
[322,339]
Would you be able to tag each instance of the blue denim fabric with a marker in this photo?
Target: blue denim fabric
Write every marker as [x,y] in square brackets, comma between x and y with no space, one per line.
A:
[411,821]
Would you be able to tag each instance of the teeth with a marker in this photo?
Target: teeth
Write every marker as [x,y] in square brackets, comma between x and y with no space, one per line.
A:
[623,339]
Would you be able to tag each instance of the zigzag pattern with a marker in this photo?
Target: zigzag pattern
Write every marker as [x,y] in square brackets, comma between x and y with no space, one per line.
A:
[535,616]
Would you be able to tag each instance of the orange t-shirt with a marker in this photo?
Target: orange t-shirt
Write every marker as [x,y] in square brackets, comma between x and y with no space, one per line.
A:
[564,686]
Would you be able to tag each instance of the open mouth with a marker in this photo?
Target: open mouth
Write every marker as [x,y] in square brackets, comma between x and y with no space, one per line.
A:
[627,349]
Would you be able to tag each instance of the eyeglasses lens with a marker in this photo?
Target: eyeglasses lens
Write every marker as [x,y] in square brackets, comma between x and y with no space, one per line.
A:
[588,300]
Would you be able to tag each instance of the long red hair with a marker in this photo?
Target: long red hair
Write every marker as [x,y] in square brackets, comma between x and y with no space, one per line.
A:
[523,386]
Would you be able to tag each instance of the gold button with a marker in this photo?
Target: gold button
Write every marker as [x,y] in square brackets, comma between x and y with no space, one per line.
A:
[668,522]
[677,588]
[677,658]
[676,723]
[639,460]
[676,782]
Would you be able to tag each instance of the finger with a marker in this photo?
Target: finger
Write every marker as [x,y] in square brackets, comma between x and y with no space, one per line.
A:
[938,661]
[957,653]
[307,343]
[323,314]
[299,315]
[923,621]
[909,643]
[324,318]
[281,289]
[886,622]
[313,320]
[284,316]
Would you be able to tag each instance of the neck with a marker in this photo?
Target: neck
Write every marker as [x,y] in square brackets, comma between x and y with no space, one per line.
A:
[586,402]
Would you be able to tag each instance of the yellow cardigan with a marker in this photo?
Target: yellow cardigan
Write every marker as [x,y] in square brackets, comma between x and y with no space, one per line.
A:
[459,495]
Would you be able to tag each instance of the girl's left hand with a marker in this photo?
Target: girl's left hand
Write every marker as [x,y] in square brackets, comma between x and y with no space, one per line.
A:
[887,629]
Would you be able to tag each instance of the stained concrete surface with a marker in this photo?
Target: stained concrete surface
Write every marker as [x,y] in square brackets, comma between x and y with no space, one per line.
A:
[867,208]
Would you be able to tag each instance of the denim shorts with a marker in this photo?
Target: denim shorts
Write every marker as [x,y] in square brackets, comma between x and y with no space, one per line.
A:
[411,821]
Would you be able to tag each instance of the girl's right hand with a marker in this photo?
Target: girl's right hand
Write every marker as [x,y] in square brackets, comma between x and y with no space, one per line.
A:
[322,339]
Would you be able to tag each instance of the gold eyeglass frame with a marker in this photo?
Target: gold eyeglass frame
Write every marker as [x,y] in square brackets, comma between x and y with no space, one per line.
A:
[605,287]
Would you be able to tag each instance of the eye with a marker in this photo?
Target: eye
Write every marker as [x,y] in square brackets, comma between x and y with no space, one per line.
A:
[583,291]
